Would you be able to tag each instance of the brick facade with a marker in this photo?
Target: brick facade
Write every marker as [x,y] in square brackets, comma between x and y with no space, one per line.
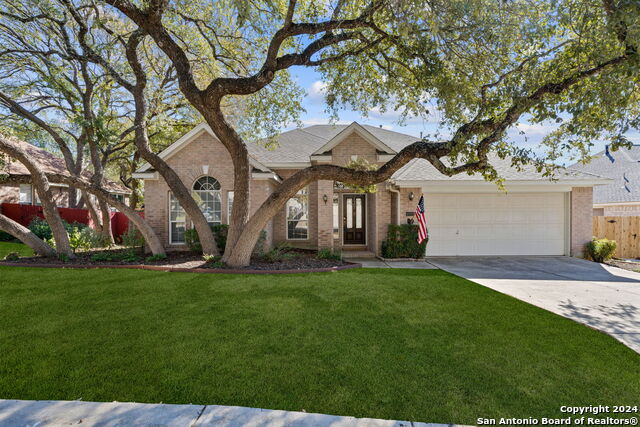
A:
[581,218]
[206,156]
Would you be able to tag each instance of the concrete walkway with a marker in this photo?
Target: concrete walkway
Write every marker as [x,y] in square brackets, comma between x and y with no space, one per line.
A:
[603,297]
[40,413]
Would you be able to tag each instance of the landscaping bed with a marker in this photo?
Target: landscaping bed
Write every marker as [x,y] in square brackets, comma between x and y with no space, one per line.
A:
[289,260]
[624,264]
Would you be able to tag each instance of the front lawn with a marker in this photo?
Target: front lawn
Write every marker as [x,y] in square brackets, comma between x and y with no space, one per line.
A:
[20,248]
[402,344]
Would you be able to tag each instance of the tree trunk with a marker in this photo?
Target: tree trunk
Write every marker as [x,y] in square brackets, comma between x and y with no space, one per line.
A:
[180,191]
[93,212]
[43,189]
[25,235]
[106,221]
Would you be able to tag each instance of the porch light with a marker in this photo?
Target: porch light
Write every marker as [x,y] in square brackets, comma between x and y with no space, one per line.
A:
[325,198]
[411,195]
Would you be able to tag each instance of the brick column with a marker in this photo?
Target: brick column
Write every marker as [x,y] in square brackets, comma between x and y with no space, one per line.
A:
[581,218]
[325,214]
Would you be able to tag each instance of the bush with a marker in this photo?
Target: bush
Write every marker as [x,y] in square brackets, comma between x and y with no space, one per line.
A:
[259,247]
[600,250]
[158,257]
[279,253]
[220,232]
[81,236]
[40,228]
[211,258]
[132,238]
[6,237]
[402,242]
[126,256]
[12,256]
[331,254]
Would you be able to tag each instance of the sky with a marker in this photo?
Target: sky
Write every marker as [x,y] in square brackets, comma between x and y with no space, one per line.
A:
[316,114]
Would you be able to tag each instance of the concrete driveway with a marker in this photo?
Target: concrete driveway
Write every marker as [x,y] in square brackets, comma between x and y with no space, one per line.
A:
[603,297]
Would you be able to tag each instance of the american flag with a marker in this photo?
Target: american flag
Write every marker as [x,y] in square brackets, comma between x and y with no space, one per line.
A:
[422,221]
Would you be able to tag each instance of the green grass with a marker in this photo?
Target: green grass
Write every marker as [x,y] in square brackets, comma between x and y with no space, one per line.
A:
[400,344]
[20,248]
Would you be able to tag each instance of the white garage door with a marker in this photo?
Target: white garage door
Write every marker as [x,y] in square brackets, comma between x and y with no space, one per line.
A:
[496,224]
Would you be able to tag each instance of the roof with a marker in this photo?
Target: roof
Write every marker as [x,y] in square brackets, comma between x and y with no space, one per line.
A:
[421,169]
[51,164]
[295,148]
[623,166]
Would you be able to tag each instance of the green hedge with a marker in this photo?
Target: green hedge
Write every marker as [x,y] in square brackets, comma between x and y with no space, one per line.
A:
[402,242]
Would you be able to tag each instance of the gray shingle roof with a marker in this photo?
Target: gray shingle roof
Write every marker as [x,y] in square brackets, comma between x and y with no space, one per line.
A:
[298,144]
[623,166]
[420,169]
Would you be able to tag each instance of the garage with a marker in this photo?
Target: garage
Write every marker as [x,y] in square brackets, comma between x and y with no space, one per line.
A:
[496,223]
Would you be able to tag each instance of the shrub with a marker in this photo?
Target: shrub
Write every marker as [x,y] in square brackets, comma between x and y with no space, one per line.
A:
[279,253]
[600,250]
[126,256]
[40,228]
[157,257]
[192,240]
[211,258]
[6,237]
[259,247]
[132,238]
[402,242]
[12,256]
[104,256]
[331,254]
[220,231]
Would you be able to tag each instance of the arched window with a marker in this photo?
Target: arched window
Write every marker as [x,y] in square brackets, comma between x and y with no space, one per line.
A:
[206,192]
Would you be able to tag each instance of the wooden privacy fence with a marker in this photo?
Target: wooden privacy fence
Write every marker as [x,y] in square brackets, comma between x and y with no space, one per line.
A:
[24,214]
[625,230]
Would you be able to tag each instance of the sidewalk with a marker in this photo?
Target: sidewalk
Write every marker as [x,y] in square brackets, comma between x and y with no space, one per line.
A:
[40,413]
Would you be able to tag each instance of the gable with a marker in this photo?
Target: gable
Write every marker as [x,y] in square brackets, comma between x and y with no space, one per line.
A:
[186,140]
[349,131]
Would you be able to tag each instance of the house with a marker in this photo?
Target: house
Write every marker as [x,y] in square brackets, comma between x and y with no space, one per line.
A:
[17,187]
[621,197]
[465,214]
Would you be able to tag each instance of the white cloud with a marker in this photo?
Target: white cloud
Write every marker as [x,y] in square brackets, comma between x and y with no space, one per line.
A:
[317,91]
[535,129]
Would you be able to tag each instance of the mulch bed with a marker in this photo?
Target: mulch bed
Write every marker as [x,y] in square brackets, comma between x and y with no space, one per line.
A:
[297,262]
[627,265]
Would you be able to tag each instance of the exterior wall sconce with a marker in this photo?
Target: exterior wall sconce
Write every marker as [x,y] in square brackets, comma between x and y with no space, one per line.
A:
[411,195]
[325,198]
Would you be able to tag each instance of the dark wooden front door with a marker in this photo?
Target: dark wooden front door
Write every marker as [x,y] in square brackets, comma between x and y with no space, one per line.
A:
[353,219]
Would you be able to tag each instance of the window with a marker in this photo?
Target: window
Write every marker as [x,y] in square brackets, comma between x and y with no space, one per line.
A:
[177,221]
[229,206]
[26,194]
[206,192]
[336,216]
[298,216]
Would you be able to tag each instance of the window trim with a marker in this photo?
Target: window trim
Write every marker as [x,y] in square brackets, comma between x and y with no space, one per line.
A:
[219,192]
[171,242]
[286,219]
[230,196]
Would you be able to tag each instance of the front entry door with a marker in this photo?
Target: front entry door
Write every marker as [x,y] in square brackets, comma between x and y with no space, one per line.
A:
[353,219]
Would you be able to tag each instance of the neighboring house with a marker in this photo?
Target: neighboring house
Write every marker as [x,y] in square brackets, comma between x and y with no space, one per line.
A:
[622,196]
[465,214]
[18,188]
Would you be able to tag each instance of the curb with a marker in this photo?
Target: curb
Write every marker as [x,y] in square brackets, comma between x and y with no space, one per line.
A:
[182,270]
